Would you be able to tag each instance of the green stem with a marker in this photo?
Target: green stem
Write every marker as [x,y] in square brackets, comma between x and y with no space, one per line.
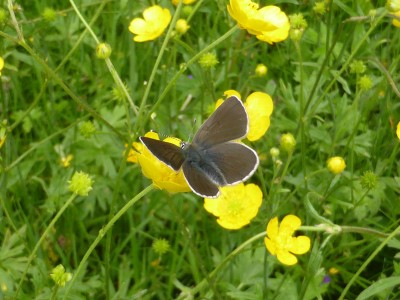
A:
[345,65]
[109,64]
[101,234]
[185,66]
[204,283]
[369,259]
[155,68]
[46,231]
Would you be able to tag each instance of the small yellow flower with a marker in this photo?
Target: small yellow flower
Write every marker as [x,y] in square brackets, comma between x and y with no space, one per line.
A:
[259,107]
[59,275]
[236,206]
[163,177]
[1,64]
[268,24]
[395,21]
[333,271]
[3,133]
[187,2]
[398,130]
[155,21]
[181,26]
[336,164]
[261,70]
[66,160]
[280,242]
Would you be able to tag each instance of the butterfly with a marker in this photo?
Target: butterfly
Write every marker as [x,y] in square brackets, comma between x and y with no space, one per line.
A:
[214,159]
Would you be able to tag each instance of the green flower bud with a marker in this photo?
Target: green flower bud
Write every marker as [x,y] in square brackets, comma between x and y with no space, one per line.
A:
[80,184]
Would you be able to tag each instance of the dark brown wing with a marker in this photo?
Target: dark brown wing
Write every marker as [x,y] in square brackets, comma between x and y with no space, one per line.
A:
[236,162]
[168,153]
[229,122]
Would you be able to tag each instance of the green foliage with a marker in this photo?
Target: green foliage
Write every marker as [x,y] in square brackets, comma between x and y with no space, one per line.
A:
[60,101]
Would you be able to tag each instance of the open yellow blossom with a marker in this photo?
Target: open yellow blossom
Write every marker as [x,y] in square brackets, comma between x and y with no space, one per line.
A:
[259,107]
[187,2]
[155,21]
[395,21]
[268,24]
[280,241]
[163,177]
[1,64]
[236,206]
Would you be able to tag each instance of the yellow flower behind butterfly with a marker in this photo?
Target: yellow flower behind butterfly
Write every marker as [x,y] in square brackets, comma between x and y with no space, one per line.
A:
[396,21]
[236,206]
[259,107]
[187,2]
[155,20]
[1,64]
[268,24]
[280,241]
[163,177]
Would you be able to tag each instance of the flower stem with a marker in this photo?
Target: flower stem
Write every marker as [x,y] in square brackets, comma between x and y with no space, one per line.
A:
[101,234]
[46,231]
[369,259]
[203,284]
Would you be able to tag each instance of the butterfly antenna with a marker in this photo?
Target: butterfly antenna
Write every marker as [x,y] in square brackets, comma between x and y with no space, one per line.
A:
[192,131]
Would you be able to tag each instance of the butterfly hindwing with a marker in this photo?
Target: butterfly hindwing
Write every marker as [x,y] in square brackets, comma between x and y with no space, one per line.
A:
[235,161]
[199,182]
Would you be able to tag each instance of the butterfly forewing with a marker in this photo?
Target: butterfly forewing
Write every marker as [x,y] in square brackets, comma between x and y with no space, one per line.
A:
[168,153]
[235,161]
[199,182]
[229,122]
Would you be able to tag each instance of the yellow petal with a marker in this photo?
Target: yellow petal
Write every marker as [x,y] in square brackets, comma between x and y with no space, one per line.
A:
[259,107]
[137,26]
[398,130]
[289,224]
[300,245]
[271,246]
[286,258]
[272,228]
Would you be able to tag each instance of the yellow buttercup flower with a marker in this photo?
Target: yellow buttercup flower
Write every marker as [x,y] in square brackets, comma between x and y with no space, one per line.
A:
[1,64]
[268,24]
[155,21]
[395,21]
[236,206]
[398,130]
[187,2]
[163,177]
[280,242]
[336,164]
[259,107]
[65,161]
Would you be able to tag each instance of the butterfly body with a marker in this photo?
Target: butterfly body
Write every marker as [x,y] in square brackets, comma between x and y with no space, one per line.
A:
[213,159]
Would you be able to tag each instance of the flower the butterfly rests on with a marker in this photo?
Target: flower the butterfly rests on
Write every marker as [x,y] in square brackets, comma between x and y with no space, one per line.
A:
[213,159]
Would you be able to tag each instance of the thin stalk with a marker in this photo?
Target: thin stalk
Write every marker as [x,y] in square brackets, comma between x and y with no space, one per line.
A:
[101,234]
[46,231]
